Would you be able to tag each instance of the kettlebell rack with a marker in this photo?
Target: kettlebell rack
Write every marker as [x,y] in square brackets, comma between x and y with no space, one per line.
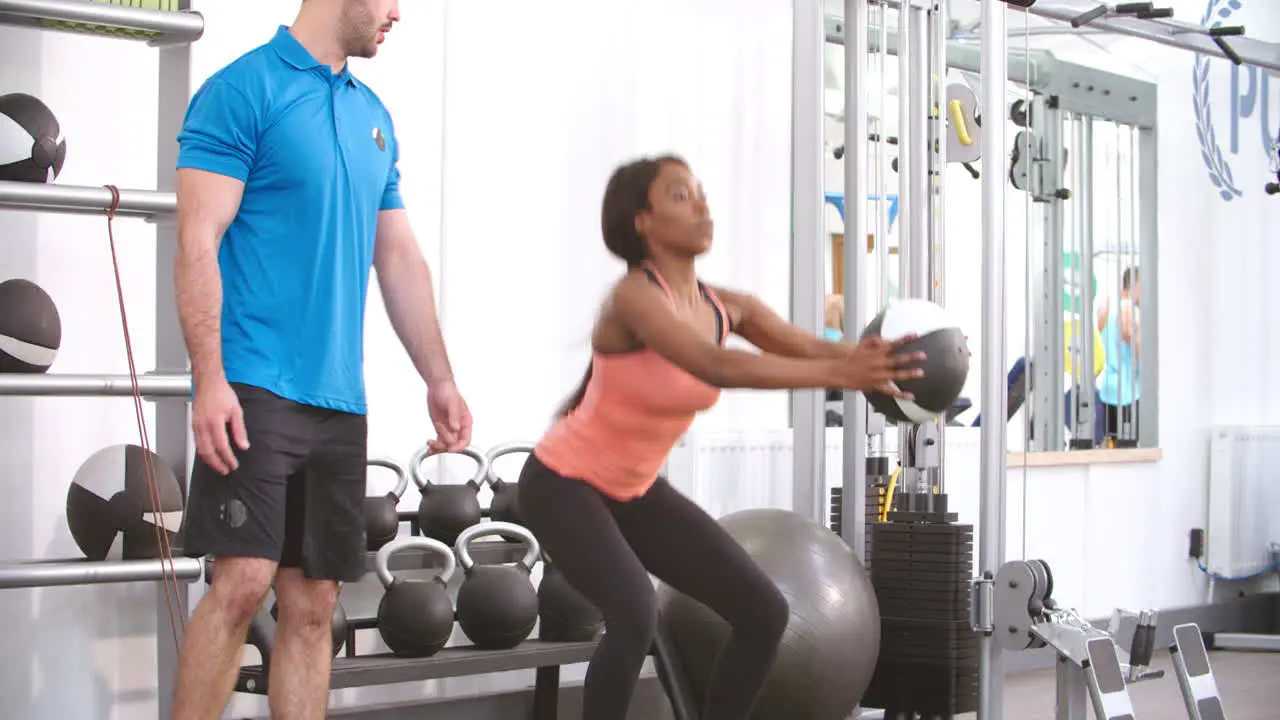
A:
[360,601]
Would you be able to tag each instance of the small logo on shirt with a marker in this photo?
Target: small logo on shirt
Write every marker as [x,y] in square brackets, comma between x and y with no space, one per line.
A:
[381,141]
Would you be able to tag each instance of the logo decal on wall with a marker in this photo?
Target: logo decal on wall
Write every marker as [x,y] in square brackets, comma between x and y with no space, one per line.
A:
[1210,151]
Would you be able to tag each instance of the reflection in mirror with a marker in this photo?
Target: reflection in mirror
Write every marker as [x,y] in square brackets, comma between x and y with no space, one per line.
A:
[1082,174]
[1086,330]
[1080,230]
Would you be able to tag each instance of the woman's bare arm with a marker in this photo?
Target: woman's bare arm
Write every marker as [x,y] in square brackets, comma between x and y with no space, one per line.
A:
[643,309]
[759,325]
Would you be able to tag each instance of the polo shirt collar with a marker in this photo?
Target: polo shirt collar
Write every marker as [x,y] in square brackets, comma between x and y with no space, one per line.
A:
[292,52]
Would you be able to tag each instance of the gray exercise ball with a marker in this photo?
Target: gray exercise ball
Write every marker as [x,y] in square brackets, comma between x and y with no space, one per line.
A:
[829,650]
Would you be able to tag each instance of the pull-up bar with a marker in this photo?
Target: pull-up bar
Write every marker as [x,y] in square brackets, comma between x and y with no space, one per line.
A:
[1145,20]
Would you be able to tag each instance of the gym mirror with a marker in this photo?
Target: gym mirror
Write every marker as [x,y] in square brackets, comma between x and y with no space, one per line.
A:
[1080,203]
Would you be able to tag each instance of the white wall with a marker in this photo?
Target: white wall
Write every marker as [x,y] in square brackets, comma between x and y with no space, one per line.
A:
[508,133]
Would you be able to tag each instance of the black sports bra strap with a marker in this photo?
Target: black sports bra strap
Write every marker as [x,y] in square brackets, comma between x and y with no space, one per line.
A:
[706,294]
[715,307]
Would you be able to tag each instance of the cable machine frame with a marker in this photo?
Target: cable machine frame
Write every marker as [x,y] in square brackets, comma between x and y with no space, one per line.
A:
[1076,89]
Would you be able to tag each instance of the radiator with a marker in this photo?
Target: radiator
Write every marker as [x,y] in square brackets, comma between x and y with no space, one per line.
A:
[1244,500]
[734,470]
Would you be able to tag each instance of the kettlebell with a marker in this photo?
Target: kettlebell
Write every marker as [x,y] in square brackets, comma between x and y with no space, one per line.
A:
[504,507]
[415,617]
[497,605]
[566,615]
[381,521]
[446,510]
[337,622]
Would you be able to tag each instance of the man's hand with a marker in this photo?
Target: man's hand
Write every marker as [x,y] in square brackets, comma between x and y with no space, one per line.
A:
[214,407]
[450,416]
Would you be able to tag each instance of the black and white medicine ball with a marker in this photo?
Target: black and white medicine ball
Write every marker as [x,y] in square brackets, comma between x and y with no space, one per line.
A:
[946,363]
[30,328]
[32,148]
[109,498]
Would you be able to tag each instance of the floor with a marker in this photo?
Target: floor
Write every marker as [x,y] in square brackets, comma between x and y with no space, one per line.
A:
[1249,683]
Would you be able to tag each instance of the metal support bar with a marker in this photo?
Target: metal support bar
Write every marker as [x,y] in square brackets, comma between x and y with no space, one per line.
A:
[993,479]
[173,386]
[1173,33]
[1034,70]
[939,28]
[71,199]
[1082,205]
[89,572]
[857,162]
[1049,392]
[808,256]
[158,27]
[1071,691]
[1149,287]
[173,440]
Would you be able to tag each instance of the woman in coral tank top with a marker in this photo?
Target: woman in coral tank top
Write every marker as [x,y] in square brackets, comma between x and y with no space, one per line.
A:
[590,490]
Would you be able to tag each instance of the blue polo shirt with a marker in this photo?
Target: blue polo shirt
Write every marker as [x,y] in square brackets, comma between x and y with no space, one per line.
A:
[317,154]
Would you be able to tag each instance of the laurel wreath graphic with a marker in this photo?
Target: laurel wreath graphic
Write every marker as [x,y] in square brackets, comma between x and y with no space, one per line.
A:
[1214,161]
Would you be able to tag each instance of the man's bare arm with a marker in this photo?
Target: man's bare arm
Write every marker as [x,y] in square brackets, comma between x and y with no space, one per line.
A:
[409,295]
[207,203]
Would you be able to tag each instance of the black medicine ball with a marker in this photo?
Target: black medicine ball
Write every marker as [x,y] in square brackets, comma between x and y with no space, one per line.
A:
[109,497]
[946,364]
[30,329]
[31,144]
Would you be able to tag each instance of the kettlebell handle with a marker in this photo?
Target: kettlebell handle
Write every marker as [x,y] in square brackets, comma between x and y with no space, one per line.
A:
[497,451]
[504,529]
[402,477]
[404,542]
[424,452]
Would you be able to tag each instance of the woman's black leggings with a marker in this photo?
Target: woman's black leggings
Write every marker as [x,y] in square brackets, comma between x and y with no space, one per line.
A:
[606,549]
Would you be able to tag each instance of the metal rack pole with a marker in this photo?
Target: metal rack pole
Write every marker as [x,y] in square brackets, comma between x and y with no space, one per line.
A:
[90,572]
[172,415]
[993,479]
[159,27]
[41,197]
[857,162]
[173,386]
[807,246]
[1149,288]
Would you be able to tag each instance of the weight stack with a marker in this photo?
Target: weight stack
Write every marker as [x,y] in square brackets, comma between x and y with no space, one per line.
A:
[877,488]
[921,567]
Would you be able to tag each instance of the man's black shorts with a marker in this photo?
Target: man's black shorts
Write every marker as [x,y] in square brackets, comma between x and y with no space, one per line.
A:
[297,496]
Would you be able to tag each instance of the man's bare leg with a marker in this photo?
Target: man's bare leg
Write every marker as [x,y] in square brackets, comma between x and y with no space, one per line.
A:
[303,655]
[209,658]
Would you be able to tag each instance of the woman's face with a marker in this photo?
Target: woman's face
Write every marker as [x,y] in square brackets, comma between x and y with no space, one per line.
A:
[678,220]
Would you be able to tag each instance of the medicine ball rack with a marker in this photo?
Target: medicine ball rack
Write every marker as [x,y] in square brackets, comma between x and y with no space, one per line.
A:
[169,387]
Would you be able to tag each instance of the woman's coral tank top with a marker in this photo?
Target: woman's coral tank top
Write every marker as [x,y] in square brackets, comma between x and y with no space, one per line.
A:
[636,407]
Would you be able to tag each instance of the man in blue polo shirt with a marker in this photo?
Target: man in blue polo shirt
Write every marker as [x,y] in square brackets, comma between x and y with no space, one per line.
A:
[288,193]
